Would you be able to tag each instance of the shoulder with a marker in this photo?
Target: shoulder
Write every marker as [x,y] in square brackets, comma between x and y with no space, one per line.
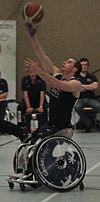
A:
[25,78]
[94,77]
[91,77]
[75,81]
[58,75]
[40,80]
[78,76]
[4,81]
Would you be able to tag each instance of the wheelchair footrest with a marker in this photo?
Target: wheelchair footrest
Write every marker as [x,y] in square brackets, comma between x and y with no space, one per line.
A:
[22,180]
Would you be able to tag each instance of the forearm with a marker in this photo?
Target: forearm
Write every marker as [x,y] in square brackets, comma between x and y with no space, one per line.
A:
[3,96]
[42,97]
[92,86]
[27,103]
[47,64]
[26,99]
[50,80]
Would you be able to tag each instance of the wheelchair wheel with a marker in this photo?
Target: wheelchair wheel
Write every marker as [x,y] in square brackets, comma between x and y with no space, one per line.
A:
[59,163]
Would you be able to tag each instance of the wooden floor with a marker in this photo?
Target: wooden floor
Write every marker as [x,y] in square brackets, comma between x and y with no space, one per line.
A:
[90,143]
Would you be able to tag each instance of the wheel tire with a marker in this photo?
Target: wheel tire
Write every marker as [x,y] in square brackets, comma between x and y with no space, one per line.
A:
[44,167]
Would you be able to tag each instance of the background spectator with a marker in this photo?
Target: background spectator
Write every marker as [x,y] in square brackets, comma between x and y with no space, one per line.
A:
[87,97]
[34,99]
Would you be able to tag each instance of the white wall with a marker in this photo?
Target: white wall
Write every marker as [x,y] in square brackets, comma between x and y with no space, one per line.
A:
[8,55]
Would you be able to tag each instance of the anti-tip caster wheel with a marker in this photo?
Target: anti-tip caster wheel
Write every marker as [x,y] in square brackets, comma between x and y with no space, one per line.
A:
[11,185]
[36,185]
[81,186]
[22,187]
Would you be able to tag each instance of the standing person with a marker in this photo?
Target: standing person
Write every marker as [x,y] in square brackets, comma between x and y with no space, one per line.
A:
[87,97]
[34,100]
[65,89]
[5,126]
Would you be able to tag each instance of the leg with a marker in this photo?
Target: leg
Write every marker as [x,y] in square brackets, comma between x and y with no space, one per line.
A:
[95,108]
[12,129]
[83,114]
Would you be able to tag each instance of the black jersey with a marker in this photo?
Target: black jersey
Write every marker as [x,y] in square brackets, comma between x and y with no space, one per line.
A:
[61,105]
[88,79]
[33,89]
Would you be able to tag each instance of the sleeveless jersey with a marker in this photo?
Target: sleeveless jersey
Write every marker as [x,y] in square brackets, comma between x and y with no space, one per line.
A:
[61,105]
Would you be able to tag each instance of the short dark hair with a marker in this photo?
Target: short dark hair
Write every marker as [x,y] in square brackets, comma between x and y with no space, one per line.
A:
[84,60]
[78,66]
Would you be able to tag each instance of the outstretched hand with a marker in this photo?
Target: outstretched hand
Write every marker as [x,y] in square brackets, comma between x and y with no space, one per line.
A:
[31,28]
[31,64]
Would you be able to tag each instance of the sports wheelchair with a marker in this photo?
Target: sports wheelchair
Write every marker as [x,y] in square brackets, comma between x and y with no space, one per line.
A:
[55,161]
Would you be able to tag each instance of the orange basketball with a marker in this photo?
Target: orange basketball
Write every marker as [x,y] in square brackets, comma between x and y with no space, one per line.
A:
[33,12]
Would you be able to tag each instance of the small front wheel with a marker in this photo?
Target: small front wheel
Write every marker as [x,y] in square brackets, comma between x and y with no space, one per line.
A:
[22,187]
[81,186]
[11,185]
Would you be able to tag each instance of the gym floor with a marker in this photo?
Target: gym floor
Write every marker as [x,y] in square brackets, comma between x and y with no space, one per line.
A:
[90,143]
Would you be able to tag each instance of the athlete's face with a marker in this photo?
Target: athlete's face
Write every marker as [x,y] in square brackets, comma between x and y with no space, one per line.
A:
[68,65]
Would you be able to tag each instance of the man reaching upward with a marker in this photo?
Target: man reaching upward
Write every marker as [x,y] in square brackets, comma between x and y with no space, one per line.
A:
[65,89]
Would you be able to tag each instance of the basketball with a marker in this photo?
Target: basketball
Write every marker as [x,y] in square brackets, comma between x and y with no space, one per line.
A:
[33,12]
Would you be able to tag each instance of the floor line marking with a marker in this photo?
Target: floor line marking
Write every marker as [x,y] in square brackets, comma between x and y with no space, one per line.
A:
[55,194]
[92,168]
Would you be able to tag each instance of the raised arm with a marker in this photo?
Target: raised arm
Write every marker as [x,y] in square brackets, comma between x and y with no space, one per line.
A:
[47,64]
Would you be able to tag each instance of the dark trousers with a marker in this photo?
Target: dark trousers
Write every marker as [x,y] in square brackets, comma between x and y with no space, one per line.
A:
[87,118]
